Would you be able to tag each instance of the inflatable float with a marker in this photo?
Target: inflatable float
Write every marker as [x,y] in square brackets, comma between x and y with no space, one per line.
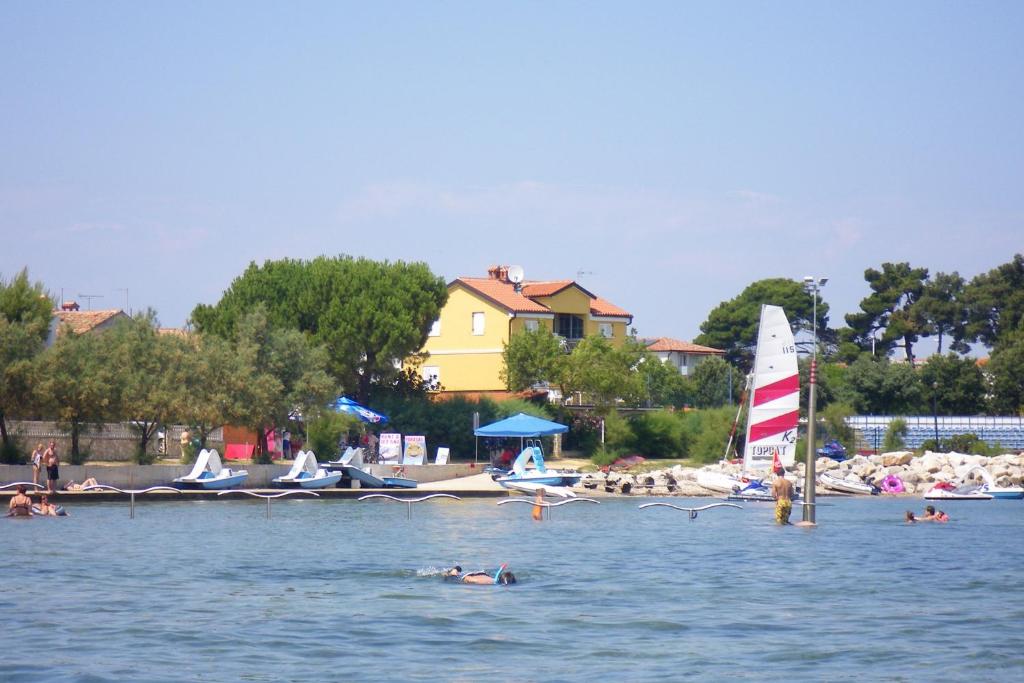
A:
[891,484]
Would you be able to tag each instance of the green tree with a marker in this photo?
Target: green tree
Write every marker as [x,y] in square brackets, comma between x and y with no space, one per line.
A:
[25,312]
[215,379]
[709,383]
[943,310]
[76,384]
[732,325]
[878,387]
[286,375]
[995,301]
[604,372]
[1006,372]
[890,308]
[532,357]
[368,315]
[662,384]
[151,376]
[958,383]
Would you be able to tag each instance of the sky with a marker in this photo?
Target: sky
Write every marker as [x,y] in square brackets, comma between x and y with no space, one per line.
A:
[663,154]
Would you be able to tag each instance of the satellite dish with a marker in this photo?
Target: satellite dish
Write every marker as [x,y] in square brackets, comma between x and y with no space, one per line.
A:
[515,274]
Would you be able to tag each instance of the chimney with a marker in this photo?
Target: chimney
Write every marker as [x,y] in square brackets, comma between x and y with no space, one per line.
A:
[69,306]
[499,273]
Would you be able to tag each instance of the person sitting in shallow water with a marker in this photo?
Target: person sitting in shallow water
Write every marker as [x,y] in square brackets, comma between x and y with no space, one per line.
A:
[909,518]
[931,515]
[501,576]
[46,508]
[20,504]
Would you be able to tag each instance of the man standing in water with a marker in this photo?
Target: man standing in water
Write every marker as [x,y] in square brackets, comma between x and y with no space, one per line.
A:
[782,491]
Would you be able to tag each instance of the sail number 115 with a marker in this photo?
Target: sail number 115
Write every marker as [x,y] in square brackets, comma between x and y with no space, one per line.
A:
[791,348]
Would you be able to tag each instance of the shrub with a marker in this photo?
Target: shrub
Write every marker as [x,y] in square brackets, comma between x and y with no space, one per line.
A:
[968,443]
[605,456]
[11,452]
[659,434]
[895,436]
[618,433]
[834,416]
[142,456]
[708,433]
[325,433]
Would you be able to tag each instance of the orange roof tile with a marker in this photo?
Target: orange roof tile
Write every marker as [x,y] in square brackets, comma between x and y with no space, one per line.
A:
[502,293]
[545,288]
[669,344]
[599,306]
[84,321]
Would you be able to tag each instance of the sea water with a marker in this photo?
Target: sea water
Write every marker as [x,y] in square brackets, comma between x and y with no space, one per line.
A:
[348,590]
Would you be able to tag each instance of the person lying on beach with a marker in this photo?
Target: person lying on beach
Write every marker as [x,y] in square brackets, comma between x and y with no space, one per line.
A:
[72,486]
[20,505]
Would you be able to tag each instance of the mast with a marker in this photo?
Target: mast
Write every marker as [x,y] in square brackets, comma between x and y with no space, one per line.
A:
[735,423]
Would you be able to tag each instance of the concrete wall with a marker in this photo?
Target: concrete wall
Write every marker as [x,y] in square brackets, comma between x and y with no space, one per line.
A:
[141,476]
[114,442]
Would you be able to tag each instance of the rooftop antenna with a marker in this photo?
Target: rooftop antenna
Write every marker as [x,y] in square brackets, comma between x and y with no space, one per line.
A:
[126,308]
[89,297]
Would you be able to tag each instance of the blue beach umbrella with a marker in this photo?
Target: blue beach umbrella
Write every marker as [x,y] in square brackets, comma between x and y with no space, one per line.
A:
[346,405]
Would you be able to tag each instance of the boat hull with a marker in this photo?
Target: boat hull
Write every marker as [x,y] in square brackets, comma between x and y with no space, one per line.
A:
[212,483]
[310,483]
[844,486]
[549,479]
[530,487]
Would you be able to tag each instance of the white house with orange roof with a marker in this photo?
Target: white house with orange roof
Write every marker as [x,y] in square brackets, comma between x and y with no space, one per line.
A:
[682,355]
[464,350]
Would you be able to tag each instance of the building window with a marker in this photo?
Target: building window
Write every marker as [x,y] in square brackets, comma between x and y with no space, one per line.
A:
[431,375]
[569,326]
[531,325]
[605,329]
[478,323]
[435,329]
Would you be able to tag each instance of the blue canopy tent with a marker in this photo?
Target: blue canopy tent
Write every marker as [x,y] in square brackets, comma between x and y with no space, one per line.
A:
[346,405]
[521,425]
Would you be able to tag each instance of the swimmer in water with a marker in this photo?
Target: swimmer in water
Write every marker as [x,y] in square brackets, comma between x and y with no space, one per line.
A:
[501,576]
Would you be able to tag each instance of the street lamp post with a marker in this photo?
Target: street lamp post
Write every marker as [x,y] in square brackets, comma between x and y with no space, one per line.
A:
[813,285]
[935,412]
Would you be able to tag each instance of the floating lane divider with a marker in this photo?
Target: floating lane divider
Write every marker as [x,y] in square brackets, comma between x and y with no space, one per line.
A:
[530,501]
[409,501]
[270,496]
[26,484]
[131,507]
[693,511]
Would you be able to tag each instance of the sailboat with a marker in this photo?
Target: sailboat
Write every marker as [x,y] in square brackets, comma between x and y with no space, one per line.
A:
[774,410]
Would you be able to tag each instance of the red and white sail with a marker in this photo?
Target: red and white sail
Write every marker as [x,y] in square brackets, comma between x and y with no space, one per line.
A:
[774,395]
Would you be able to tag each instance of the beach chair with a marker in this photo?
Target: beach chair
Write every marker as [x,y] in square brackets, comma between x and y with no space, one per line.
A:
[442,456]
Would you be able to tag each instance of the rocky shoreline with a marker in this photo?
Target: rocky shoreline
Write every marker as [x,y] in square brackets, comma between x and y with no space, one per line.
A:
[918,473]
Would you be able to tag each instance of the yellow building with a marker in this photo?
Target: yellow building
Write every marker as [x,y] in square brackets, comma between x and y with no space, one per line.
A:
[465,346]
